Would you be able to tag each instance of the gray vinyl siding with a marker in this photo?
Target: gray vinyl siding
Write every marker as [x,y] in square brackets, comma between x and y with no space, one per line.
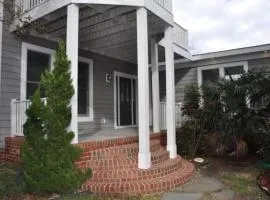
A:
[262,65]
[103,92]
[10,79]
[183,77]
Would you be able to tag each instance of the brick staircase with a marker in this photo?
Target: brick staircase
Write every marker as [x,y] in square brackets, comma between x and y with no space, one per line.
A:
[115,168]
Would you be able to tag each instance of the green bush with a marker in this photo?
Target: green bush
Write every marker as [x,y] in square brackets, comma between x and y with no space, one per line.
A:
[11,181]
[48,155]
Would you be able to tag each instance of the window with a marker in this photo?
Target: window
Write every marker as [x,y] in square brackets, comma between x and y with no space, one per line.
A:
[85,90]
[234,72]
[35,60]
[227,70]
[37,63]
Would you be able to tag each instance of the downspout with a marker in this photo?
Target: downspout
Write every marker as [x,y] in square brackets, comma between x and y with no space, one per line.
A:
[1,40]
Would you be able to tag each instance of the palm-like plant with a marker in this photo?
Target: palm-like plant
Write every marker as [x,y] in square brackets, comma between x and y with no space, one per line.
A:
[234,100]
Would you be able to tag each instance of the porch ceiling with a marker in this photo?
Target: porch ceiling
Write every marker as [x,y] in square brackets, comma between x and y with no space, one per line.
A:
[104,29]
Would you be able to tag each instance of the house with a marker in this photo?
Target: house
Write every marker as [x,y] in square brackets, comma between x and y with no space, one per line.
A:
[211,66]
[130,65]
[110,44]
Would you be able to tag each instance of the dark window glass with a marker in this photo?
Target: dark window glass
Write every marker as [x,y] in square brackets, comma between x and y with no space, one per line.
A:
[83,88]
[37,63]
[210,75]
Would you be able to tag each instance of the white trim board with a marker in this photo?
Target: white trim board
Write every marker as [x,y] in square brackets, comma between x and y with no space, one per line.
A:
[90,117]
[125,75]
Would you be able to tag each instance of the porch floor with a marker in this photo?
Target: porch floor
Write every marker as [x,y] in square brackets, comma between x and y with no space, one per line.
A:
[110,134]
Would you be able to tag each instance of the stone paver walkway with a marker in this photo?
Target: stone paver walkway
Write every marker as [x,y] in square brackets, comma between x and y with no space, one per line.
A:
[201,188]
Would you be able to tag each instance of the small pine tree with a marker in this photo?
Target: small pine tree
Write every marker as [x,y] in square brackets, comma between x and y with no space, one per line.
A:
[48,155]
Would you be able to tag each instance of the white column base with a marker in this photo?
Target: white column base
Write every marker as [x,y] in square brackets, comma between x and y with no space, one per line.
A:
[144,161]
[172,150]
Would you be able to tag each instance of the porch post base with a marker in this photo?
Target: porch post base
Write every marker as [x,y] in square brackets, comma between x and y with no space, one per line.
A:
[144,161]
[172,150]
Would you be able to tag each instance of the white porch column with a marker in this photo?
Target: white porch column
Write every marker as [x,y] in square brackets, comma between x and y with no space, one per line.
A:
[155,86]
[144,161]
[72,53]
[170,93]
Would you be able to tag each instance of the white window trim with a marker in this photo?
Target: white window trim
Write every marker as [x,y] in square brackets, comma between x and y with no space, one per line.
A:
[221,68]
[51,52]
[121,74]
[90,117]
[36,48]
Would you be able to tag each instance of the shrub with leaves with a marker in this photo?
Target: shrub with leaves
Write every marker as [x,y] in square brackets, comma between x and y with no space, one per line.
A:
[48,155]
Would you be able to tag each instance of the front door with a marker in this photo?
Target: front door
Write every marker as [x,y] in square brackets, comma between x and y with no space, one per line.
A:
[126,100]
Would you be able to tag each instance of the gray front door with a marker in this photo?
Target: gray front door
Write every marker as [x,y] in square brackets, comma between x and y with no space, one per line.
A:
[126,101]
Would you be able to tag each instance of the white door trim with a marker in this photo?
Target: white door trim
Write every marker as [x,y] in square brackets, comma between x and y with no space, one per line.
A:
[129,76]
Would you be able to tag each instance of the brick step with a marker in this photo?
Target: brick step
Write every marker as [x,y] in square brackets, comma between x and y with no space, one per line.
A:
[143,187]
[122,162]
[118,151]
[134,174]
[96,145]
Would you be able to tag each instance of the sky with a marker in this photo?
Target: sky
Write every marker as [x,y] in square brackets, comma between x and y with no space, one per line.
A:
[216,25]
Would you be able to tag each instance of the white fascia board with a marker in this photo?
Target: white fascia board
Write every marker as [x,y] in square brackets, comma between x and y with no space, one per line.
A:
[111,2]
[177,49]
[180,51]
[232,52]
[40,11]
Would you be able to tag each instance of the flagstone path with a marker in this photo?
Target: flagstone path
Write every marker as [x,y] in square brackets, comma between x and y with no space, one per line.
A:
[201,188]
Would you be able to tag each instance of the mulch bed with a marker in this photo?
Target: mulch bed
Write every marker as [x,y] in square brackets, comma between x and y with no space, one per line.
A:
[263,182]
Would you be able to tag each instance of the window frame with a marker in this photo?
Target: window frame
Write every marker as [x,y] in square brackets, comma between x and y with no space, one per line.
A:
[25,48]
[221,68]
[23,87]
[90,117]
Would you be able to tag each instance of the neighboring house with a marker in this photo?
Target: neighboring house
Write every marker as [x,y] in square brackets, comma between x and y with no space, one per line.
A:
[211,66]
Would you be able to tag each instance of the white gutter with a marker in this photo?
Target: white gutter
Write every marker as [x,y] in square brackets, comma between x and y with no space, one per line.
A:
[1,40]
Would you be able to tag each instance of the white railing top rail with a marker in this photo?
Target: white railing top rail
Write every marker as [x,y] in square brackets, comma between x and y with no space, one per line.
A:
[166,4]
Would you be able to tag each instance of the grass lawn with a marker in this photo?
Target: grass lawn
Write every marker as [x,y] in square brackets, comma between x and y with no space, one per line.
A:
[239,176]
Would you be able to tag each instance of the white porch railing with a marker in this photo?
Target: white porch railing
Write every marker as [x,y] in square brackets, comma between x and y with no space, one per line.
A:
[166,4]
[18,115]
[163,114]
[19,107]
[25,5]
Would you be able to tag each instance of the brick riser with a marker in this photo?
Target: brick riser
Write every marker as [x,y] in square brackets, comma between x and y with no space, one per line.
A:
[143,187]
